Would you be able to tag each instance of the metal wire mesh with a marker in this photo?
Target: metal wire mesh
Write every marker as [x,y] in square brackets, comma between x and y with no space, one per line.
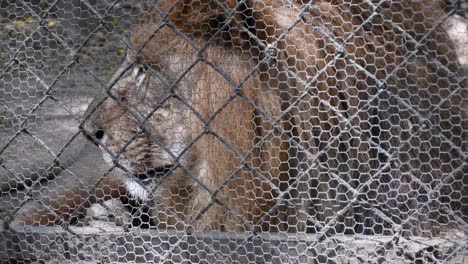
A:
[233,131]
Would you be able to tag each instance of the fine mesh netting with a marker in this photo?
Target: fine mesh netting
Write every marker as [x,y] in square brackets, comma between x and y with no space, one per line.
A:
[224,131]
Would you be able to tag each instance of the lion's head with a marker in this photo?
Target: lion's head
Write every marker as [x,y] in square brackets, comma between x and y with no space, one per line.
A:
[139,127]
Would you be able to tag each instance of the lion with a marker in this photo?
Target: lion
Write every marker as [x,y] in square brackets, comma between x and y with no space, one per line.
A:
[238,115]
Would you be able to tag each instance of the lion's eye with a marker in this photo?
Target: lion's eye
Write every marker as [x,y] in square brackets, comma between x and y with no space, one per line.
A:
[140,70]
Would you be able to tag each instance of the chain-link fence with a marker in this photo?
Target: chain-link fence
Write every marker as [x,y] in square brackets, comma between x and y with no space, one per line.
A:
[231,131]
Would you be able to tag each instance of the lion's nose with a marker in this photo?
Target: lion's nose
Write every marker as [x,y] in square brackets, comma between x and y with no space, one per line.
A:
[94,135]
[99,134]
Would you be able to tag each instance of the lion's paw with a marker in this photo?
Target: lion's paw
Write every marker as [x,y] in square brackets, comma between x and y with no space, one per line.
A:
[107,215]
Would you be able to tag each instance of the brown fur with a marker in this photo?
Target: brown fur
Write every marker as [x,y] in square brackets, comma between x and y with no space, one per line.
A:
[377,46]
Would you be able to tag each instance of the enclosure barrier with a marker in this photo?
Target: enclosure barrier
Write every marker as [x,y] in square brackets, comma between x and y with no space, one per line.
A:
[356,151]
